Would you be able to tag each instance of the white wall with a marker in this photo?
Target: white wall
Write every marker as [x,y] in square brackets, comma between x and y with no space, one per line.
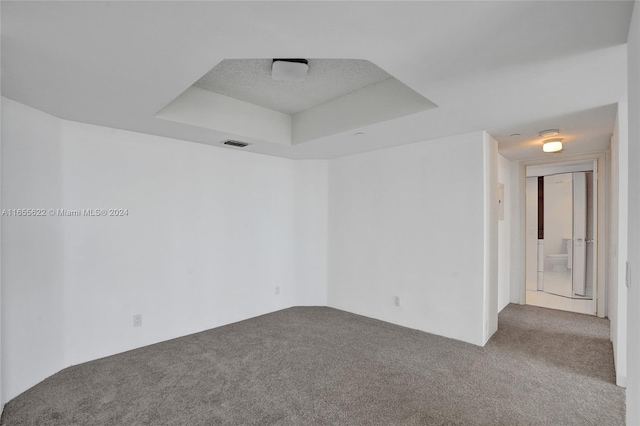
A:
[208,237]
[518,233]
[1,397]
[209,234]
[490,285]
[633,310]
[504,236]
[409,222]
[618,229]
[32,262]
[311,185]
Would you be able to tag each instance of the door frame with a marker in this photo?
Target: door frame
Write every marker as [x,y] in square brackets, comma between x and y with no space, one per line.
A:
[519,267]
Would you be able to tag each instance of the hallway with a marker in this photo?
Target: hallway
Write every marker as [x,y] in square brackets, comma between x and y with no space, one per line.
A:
[563,362]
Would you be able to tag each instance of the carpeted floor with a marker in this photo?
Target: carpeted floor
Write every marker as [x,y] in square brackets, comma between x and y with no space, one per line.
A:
[323,366]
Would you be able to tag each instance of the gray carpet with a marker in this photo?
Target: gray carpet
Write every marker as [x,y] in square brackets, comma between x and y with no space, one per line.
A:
[322,366]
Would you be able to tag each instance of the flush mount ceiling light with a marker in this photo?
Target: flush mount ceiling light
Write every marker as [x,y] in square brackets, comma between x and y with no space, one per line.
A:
[552,145]
[291,70]
[548,133]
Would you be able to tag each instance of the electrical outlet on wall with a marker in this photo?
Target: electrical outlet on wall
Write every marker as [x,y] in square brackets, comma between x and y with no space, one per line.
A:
[277,290]
[137,320]
[396,300]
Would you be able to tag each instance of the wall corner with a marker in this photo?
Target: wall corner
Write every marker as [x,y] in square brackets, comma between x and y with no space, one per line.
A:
[490,279]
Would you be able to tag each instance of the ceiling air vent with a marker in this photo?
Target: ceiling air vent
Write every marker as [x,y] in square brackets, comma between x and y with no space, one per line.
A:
[237,144]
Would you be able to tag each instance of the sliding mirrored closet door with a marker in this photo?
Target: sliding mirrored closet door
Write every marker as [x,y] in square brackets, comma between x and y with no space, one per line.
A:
[561,229]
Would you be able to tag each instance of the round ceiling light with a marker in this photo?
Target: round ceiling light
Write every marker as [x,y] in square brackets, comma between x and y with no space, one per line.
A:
[552,145]
[548,133]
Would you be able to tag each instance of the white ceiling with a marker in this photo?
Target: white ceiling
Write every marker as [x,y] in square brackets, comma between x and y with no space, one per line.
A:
[250,80]
[506,67]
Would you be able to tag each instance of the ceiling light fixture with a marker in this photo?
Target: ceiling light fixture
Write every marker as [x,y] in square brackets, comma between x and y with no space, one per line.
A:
[552,145]
[358,134]
[548,133]
[290,70]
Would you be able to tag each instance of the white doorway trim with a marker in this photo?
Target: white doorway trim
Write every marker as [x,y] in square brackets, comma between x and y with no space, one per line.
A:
[602,181]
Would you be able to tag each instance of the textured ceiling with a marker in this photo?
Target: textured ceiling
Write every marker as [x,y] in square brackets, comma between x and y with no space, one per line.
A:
[504,66]
[250,80]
